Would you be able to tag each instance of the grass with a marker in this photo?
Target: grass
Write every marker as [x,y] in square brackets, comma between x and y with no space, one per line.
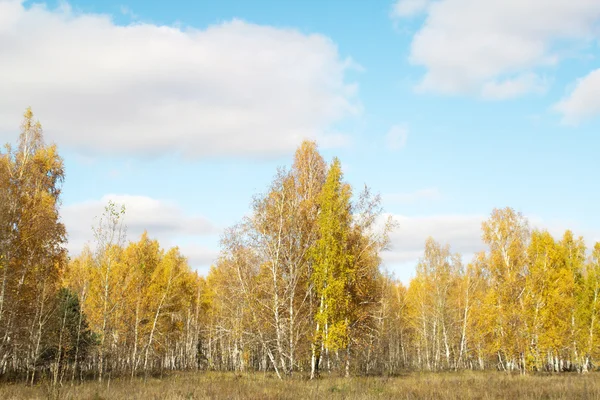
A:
[213,385]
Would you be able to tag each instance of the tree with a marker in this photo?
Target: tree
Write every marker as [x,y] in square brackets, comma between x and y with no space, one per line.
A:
[269,251]
[506,232]
[435,301]
[143,258]
[77,280]
[68,338]
[332,267]
[591,306]
[32,255]
[110,236]
[571,297]
[545,317]
[369,236]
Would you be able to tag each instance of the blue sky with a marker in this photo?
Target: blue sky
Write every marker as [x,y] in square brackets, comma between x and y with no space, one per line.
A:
[184,110]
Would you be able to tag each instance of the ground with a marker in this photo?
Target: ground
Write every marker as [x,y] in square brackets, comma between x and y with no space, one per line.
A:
[213,385]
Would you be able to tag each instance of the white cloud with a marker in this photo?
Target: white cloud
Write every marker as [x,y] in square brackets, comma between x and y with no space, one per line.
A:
[583,101]
[396,137]
[163,219]
[200,257]
[409,8]
[494,48]
[233,88]
[513,87]
[461,232]
[412,197]
[558,227]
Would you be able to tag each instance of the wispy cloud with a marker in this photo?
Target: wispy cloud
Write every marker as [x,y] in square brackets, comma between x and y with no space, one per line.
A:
[128,12]
[397,137]
[583,101]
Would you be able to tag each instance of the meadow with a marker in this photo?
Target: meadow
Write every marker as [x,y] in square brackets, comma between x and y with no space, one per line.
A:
[220,385]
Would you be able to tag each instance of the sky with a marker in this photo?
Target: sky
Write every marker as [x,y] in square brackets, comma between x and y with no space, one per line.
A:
[183,111]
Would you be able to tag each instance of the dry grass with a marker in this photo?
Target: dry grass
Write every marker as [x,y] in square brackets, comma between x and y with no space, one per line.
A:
[467,385]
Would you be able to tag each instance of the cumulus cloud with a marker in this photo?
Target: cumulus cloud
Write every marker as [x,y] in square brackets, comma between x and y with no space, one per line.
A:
[461,232]
[396,137]
[513,87]
[583,101]
[200,257]
[234,88]
[163,219]
[495,48]
[557,229]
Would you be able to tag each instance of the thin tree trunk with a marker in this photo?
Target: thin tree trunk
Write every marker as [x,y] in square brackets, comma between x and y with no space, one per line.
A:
[135,339]
[60,344]
[156,315]
[80,321]
[314,359]
[347,373]
[39,333]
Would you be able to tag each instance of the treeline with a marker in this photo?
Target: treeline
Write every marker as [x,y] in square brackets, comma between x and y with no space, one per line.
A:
[120,309]
[530,303]
[297,289]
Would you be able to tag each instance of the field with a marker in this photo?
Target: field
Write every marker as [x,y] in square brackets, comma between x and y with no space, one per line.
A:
[467,385]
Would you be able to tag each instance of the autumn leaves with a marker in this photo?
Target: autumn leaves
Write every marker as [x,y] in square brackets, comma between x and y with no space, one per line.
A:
[530,303]
[297,288]
[32,255]
[304,269]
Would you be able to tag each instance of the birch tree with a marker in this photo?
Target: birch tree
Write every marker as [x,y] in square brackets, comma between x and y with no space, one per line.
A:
[109,235]
[506,233]
[32,256]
